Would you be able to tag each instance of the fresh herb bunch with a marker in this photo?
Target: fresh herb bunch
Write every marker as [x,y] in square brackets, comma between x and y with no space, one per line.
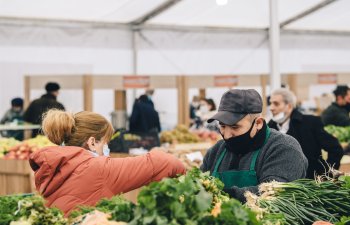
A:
[192,199]
[31,209]
[230,212]
[304,201]
[8,205]
[119,208]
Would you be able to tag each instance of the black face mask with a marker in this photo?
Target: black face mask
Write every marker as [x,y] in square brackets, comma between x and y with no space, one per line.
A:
[240,144]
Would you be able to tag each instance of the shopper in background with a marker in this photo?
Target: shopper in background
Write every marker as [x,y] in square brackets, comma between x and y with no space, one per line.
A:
[38,107]
[79,171]
[194,106]
[149,93]
[250,153]
[14,115]
[308,130]
[144,118]
[338,112]
[207,109]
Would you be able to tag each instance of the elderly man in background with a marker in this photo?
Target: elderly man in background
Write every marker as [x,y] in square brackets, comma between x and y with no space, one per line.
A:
[308,130]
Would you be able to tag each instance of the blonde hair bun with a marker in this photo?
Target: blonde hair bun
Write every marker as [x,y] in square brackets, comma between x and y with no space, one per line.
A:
[58,125]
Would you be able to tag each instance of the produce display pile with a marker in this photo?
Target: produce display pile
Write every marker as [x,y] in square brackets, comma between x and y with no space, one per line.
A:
[180,134]
[192,199]
[304,201]
[341,133]
[6,144]
[207,135]
[23,210]
[197,199]
[22,150]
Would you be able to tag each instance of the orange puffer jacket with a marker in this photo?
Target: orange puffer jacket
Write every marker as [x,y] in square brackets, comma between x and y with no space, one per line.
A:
[70,176]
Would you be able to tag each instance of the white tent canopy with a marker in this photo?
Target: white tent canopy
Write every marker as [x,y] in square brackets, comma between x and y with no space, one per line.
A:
[325,15]
[187,37]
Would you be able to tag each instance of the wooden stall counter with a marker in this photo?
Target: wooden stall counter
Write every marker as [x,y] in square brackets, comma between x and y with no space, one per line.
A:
[16,177]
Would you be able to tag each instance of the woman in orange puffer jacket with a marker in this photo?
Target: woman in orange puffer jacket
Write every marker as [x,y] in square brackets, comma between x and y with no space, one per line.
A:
[76,172]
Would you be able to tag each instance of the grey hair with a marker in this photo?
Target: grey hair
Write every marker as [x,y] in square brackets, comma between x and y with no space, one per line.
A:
[287,95]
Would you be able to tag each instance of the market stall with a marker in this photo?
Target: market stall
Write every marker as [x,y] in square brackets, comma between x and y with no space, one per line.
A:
[197,198]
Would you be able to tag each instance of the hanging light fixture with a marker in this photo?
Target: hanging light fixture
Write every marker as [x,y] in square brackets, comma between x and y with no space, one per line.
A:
[221,2]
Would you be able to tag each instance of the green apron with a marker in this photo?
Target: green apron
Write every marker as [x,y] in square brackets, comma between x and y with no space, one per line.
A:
[239,178]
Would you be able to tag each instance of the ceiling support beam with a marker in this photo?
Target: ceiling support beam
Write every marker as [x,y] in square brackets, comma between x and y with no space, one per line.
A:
[307,12]
[155,12]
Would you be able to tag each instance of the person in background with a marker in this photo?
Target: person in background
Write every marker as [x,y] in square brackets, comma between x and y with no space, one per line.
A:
[206,110]
[338,112]
[14,115]
[149,93]
[38,107]
[194,107]
[308,130]
[79,171]
[144,118]
[250,153]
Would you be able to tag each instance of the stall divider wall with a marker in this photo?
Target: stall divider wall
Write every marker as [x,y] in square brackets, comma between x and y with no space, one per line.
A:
[115,82]
[298,83]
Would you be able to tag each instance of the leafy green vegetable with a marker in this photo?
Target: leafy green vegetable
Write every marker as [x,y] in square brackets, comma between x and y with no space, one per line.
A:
[31,209]
[119,208]
[344,221]
[8,205]
[341,133]
[192,199]
[231,212]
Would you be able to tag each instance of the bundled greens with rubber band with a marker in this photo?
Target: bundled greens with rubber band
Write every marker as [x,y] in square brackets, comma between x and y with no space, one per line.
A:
[303,201]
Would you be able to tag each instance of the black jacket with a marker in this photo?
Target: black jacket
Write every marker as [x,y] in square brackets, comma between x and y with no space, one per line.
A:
[144,118]
[336,115]
[38,107]
[312,137]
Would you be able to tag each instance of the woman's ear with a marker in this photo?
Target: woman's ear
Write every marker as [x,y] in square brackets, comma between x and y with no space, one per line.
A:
[91,143]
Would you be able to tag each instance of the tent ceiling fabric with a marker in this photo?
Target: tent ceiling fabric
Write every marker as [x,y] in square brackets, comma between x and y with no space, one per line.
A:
[335,17]
[120,11]
[237,13]
[204,13]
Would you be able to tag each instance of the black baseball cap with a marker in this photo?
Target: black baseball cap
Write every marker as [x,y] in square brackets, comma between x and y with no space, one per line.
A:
[236,104]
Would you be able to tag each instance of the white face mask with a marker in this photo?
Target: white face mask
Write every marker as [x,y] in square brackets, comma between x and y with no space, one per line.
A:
[280,117]
[195,104]
[106,150]
[204,109]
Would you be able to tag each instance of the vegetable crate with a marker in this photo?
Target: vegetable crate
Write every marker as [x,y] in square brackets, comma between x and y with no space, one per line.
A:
[16,176]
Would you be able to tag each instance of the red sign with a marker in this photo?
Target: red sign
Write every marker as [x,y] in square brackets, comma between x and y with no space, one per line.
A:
[226,81]
[327,78]
[136,81]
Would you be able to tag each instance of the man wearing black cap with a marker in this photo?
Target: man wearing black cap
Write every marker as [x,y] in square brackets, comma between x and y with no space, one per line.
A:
[338,112]
[38,107]
[250,152]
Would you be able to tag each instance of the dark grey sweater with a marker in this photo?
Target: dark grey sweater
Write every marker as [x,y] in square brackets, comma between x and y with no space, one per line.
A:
[280,159]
